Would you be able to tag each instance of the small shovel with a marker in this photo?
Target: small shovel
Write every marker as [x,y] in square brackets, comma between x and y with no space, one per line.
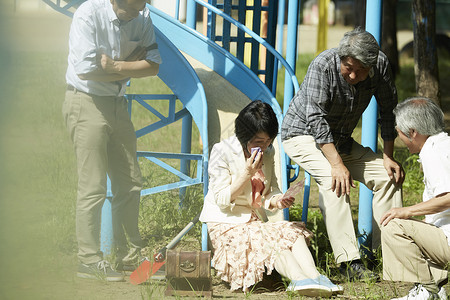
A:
[147,269]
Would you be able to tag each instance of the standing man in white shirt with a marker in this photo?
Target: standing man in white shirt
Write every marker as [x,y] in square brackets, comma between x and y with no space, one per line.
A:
[110,42]
[419,251]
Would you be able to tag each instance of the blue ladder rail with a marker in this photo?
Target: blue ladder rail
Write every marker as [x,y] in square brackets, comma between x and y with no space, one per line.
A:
[155,157]
[64,9]
[240,39]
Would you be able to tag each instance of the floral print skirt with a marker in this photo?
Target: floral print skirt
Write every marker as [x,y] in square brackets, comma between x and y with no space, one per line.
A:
[243,252]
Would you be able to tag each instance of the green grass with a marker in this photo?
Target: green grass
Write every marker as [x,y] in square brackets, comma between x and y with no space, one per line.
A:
[38,177]
[38,182]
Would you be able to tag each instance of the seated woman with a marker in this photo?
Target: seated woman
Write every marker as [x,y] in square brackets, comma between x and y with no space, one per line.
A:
[241,184]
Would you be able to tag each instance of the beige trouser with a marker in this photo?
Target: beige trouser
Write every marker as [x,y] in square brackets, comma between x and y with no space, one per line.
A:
[414,251]
[365,166]
[105,143]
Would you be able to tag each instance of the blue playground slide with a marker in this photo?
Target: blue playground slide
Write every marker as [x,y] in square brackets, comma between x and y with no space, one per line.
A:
[219,60]
[213,56]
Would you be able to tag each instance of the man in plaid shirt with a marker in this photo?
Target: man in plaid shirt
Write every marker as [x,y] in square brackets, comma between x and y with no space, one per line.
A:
[317,135]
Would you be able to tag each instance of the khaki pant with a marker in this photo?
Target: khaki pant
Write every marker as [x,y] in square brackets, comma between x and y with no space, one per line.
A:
[365,166]
[105,143]
[414,251]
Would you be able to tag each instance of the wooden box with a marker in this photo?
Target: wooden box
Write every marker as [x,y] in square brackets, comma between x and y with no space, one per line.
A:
[188,273]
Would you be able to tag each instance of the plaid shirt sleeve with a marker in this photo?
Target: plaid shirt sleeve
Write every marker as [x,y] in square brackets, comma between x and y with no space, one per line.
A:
[386,96]
[309,107]
[317,97]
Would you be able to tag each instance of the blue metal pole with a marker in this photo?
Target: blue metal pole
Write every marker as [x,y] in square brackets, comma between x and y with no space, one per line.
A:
[369,131]
[204,237]
[291,58]
[279,43]
[280,28]
[191,15]
[106,231]
[186,144]
[177,10]
[291,49]
[306,192]
[186,127]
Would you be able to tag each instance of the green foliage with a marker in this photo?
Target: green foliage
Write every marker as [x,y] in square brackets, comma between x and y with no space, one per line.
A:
[163,215]
[406,82]
[152,290]
[319,244]
[162,218]
[413,184]
[42,160]
[38,178]
[300,72]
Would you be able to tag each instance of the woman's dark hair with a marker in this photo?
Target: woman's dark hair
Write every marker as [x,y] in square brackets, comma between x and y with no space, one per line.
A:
[256,117]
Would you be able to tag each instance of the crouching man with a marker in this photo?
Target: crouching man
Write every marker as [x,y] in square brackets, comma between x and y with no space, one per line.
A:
[418,251]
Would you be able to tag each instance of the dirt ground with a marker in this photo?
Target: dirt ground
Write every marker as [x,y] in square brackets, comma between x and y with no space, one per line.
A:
[48,31]
[155,290]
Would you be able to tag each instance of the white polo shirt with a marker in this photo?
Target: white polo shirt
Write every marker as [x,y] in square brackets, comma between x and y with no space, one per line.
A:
[435,160]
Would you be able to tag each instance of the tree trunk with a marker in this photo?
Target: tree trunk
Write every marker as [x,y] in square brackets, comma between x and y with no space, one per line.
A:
[359,11]
[389,34]
[425,52]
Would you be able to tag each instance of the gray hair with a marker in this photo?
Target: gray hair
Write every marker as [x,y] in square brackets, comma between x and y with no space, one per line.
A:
[420,114]
[361,45]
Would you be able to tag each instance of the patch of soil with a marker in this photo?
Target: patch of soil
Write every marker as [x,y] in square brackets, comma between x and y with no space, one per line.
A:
[268,289]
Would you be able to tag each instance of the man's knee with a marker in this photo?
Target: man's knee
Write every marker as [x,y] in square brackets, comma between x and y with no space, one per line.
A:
[390,229]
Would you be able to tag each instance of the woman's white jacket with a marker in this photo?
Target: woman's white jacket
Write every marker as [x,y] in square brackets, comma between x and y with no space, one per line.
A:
[226,164]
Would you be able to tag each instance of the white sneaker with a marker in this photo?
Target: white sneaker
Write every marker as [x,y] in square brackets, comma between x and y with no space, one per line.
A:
[310,288]
[335,289]
[418,292]
[442,294]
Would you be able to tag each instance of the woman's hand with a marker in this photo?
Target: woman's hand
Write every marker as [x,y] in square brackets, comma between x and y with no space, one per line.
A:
[285,202]
[254,163]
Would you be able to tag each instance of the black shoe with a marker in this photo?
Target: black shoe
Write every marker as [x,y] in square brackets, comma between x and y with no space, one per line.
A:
[126,267]
[101,270]
[129,265]
[355,270]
